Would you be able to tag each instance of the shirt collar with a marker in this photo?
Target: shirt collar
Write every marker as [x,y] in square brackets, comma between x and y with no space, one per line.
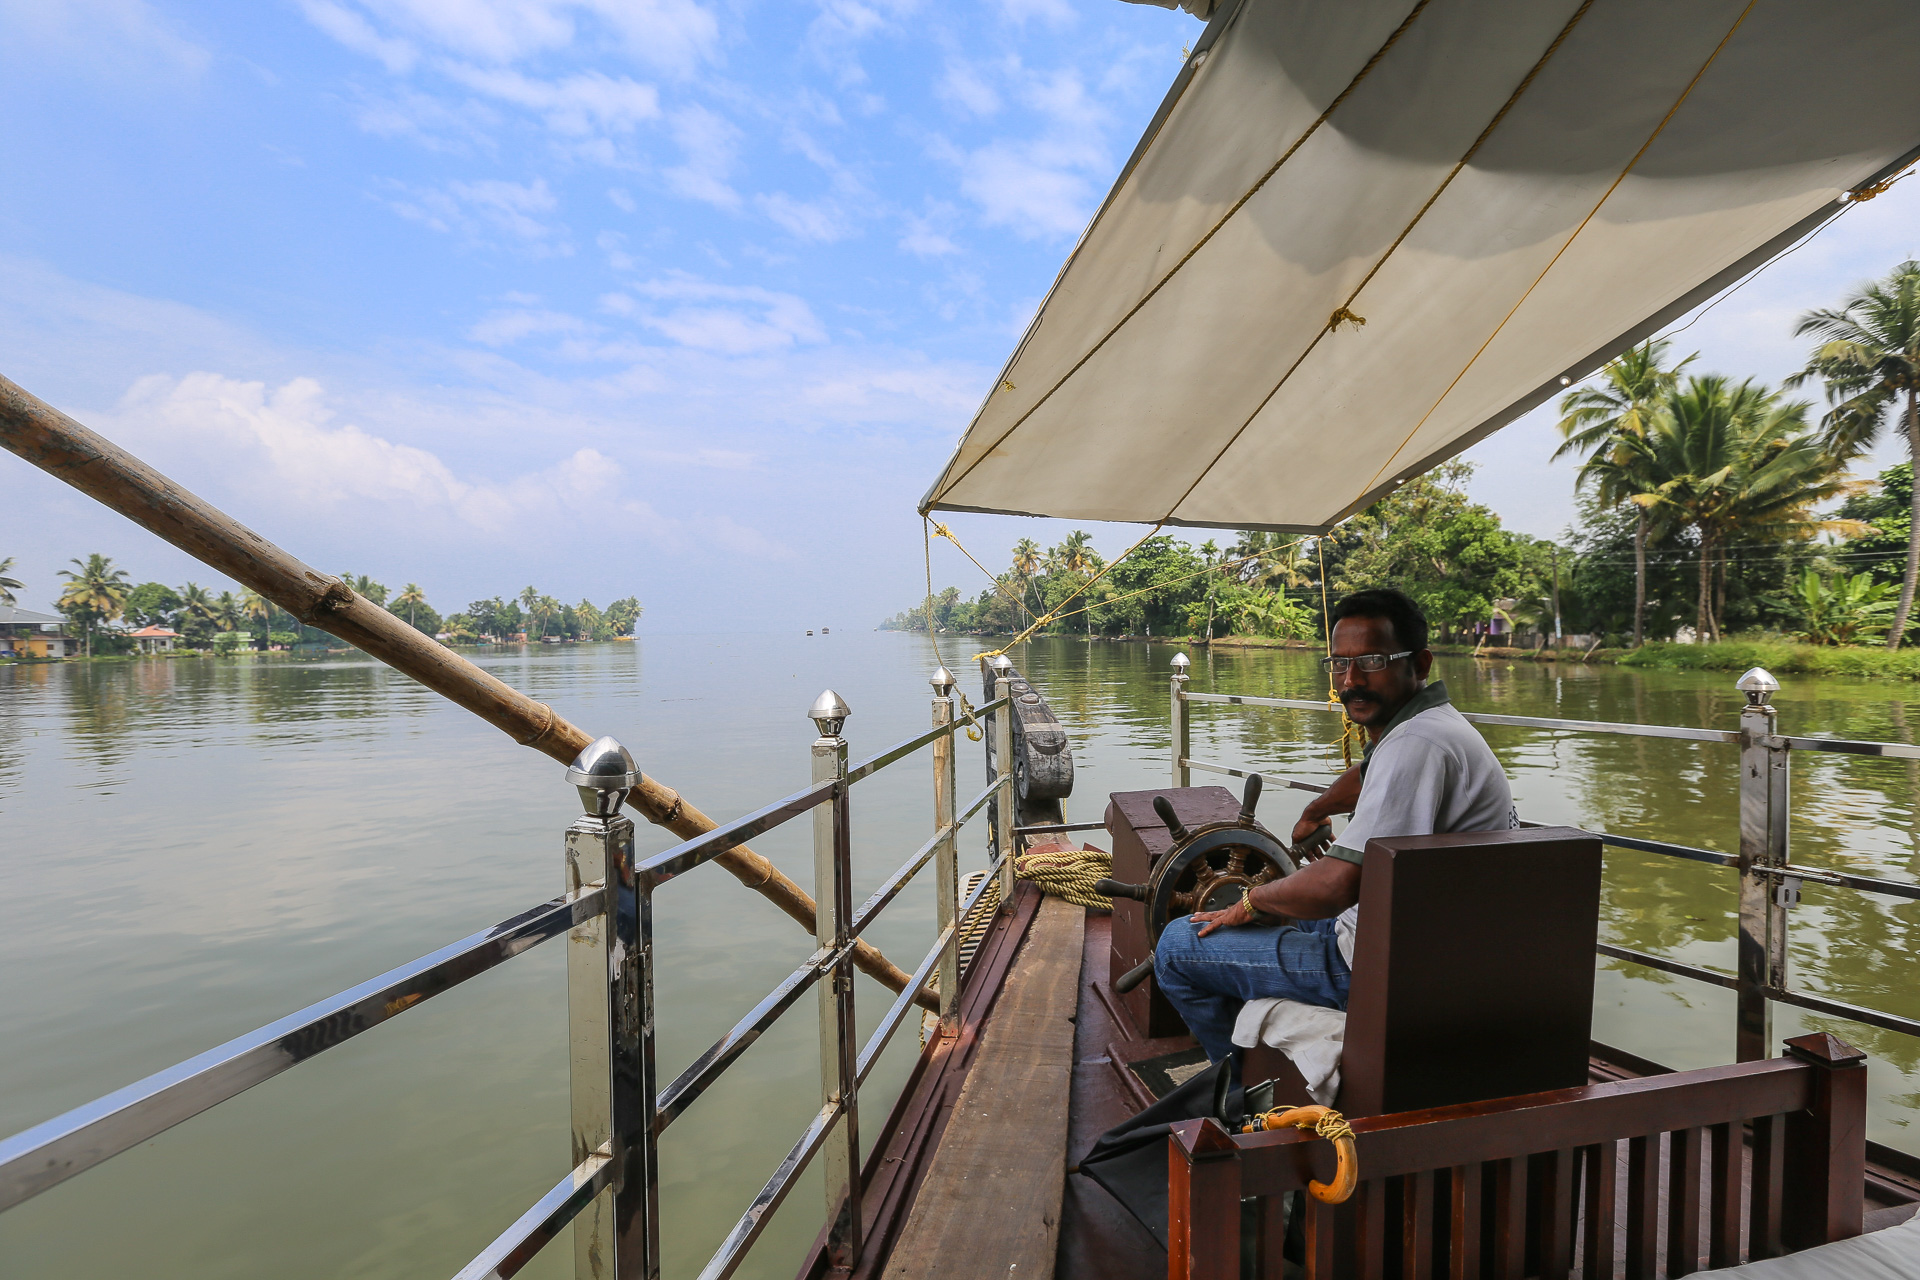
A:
[1433,694]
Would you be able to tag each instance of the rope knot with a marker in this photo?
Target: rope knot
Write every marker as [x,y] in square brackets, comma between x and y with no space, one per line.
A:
[1344,316]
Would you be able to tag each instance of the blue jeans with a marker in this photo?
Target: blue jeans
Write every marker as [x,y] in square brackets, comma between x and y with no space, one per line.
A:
[1209,978]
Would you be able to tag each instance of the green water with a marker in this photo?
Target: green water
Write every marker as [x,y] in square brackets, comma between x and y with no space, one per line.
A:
[193,848]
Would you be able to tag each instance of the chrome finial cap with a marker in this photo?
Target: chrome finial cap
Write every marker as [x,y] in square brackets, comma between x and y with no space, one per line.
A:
[829,712]
[1757,684]
[1180,664]
[1001,663]
[604,772]
[943,682]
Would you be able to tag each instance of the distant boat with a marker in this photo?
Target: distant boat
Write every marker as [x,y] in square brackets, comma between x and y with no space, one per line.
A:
[823,631]
[809,633]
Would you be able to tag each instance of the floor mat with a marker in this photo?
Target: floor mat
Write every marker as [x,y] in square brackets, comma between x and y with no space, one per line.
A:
[1164,1074]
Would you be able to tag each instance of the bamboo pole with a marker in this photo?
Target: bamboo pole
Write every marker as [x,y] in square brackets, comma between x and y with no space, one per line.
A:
[63,448]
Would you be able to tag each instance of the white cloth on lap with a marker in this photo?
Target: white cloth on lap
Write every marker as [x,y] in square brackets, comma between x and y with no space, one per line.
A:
[1891,1254]
[1311,1036]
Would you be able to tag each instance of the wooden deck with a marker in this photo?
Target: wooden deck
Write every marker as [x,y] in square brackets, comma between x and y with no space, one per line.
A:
[982,1131]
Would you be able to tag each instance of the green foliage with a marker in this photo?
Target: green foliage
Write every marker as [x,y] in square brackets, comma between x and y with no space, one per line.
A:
[228,643]
[1843,611]
[153,604]
[96,592]
[1780,658]
[622,615]
[8,583]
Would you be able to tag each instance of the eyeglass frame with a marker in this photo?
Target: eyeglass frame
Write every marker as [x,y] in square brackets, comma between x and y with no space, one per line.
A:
[1386,660]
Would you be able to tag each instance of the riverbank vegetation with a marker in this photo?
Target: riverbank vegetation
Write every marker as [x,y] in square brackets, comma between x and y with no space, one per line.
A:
[1712,516]
[105,608]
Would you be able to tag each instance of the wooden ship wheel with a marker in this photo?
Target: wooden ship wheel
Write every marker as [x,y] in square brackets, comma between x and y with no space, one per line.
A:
[1207,869]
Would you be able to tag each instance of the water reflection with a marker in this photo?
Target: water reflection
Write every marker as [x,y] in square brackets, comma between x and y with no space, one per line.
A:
[198,846]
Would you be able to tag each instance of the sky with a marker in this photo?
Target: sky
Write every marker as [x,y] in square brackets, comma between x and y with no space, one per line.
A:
[683,299]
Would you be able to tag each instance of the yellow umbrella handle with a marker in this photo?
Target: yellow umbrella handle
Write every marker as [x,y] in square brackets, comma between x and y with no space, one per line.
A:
[1332,1126]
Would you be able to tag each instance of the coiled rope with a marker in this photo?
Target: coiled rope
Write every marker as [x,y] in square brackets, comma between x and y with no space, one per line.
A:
[1068,874]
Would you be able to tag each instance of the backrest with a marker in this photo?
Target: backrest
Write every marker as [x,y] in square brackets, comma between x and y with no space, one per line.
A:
[1473,968]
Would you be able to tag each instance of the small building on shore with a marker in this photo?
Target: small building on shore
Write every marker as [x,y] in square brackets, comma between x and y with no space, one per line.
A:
[154,639]
[26,634]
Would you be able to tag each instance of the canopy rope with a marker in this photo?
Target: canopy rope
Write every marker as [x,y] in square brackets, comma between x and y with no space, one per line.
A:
[1568,244]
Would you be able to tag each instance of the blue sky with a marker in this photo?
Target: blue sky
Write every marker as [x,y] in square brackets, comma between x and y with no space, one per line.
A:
[682,298]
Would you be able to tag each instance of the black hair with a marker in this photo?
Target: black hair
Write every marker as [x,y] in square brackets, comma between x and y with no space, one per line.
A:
[1402,614]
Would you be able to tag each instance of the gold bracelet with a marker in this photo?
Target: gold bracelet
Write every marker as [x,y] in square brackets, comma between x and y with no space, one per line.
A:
[1246,900]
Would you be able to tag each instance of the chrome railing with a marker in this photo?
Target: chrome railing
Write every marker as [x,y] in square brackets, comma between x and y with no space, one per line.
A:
[611,1195]
[1769,881]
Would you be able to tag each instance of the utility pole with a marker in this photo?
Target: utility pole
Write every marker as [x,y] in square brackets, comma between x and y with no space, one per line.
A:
[1556,599]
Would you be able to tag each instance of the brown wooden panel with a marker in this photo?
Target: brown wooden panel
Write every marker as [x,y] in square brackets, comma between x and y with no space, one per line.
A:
[1417,1036]
[1555,1212]
[1643,1206]
[1685,1149]
[1203,1208]
[1270,1238]
[1723,1201]
[1370,1235]
[1322,1230]
[1416,1226]
[1602,1173]
[1826,1146]
[1389,1146]
[1003,1156]
[1509,1195]
[1464,1221]
[1768,1188]
[1140,839]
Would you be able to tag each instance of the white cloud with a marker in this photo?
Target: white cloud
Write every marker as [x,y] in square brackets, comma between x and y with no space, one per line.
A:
[431,122]
[577,105]
[472,209]
[1047,185]
[728,319]
[965,87]
[353,30]
[670,35]
[821,221]
[621,199]
[110,40]
[926,236]
[503,328]
[284,440]
[710,142]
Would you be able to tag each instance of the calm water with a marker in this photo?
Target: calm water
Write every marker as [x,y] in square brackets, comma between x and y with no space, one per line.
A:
[193,848]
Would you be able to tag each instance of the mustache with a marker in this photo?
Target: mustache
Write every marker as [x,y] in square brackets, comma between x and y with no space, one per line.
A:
[1352,696]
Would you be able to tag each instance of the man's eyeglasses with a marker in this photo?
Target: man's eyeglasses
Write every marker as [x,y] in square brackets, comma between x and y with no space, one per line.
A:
[1366,662]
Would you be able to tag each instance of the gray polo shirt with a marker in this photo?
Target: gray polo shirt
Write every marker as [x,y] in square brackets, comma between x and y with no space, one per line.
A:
[1430,772]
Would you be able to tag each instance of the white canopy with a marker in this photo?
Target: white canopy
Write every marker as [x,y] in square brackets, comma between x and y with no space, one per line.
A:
[1507,192]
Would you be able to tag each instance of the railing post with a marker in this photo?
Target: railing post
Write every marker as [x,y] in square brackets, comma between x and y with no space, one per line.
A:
[947,857]
[1763,848]
[1182,736]
[1203,1202]
[1826,1146]
[1004,839]
[610,1020]
[839,1056]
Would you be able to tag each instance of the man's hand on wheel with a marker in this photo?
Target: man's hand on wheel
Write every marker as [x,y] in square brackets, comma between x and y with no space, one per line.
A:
[1232,917]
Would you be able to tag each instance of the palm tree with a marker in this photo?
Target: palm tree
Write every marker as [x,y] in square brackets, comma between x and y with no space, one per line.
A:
[228,614]
[366,587]
[1604,422]
[256,606]
[1209,551]
[96,593]
[1077,555]
[8,583]
[529,599]
[412,597]
[1722,457]
[1026,563]
[195,602]
[1870,361]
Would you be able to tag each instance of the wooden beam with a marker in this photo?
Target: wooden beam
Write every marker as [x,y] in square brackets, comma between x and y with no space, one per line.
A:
[66,450]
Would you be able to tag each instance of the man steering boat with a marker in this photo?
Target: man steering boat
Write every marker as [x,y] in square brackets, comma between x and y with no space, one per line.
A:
[1425,771]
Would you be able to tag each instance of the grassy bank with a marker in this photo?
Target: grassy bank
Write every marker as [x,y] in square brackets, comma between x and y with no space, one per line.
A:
[1780,658]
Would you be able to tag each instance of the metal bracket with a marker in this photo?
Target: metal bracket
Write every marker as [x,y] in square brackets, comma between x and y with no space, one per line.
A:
[1787,892]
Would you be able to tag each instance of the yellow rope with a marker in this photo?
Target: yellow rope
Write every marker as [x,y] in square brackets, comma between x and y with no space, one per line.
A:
[974,729]
[1068,874]
[1325,1123]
